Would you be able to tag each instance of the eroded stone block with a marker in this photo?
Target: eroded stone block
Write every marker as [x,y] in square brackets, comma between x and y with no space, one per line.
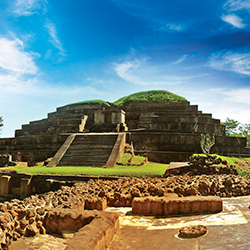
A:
[177,206]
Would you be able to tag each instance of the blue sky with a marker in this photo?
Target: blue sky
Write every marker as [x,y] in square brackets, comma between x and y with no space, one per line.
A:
[57,52]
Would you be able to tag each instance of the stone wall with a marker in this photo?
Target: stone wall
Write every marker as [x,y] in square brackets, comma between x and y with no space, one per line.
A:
[166,146]
[176,206]
[172,117]
[32,148]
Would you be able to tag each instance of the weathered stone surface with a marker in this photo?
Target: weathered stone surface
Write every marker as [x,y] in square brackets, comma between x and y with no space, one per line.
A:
[177,206]
[199,165]
[59,220]
[31,231]
[97,234]
[96,203]
[17,215]
[192,231]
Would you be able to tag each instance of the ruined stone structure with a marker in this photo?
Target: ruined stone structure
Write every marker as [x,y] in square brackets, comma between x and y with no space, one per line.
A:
[173,131]
[41,139]
[164,129]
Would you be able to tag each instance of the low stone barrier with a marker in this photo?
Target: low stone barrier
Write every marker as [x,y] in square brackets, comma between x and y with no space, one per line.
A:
[97,234]
[176,206]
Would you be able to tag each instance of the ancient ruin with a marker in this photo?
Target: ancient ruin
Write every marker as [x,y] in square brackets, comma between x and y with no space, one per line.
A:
[158,123]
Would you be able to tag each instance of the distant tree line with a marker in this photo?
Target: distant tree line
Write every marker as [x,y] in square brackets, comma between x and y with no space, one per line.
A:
[235,128]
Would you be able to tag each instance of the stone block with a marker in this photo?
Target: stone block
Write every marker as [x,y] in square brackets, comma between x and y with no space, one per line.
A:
[24,192]
[96,203]
[163,206]
[4,184]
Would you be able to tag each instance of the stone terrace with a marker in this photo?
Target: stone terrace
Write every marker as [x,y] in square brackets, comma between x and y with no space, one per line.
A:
[172,131]
[168,131]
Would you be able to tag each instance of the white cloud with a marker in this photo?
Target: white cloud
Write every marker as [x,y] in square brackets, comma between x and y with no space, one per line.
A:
[17,67]
[235,5]
[29,7]
[239,96]
[231,61]
[54,37]
[14,58]
[180,60]
[139,70]
[234,20]
[220,102]
[174,27]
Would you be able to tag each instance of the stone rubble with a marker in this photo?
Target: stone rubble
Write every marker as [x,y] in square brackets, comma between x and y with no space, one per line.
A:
[192,231]
[26,217]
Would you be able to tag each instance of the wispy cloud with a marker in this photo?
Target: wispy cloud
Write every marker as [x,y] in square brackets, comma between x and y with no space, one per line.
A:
[54,39]
[141,70]
[29,7]
[180,60]
[237,13]
[231,61]
[234,20]
[235,5]
[172,27]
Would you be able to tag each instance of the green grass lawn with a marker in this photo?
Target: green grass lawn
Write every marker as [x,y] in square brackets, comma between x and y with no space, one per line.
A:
[150,169]
[126,157]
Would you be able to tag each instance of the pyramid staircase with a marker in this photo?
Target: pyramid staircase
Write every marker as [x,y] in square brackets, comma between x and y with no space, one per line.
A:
[90,149]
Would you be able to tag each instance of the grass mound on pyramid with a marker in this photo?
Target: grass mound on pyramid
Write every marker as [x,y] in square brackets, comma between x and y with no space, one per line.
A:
[157,96]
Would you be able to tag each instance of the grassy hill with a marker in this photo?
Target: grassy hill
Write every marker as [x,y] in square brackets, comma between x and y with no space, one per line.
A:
[157,96]
[91,102]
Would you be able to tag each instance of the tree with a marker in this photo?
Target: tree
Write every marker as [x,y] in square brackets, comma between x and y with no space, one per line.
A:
[235,128]
[207,142]
[231,126]
[1,122]
[244,130]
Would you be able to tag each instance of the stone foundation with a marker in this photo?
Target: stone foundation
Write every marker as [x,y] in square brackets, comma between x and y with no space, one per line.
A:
[176,206]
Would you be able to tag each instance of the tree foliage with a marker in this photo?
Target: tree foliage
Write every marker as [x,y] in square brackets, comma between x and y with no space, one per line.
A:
[235,128]
[231,126]
[207,142]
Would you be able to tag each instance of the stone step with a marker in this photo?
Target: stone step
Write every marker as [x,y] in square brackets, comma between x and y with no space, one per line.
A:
[89,150]
[90,154]
[158,106]
[60,153]
[93,143]
[188,119]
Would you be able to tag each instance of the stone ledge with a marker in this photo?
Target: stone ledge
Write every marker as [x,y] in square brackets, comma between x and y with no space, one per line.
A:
[92,229]
[97,234]
[177,206]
